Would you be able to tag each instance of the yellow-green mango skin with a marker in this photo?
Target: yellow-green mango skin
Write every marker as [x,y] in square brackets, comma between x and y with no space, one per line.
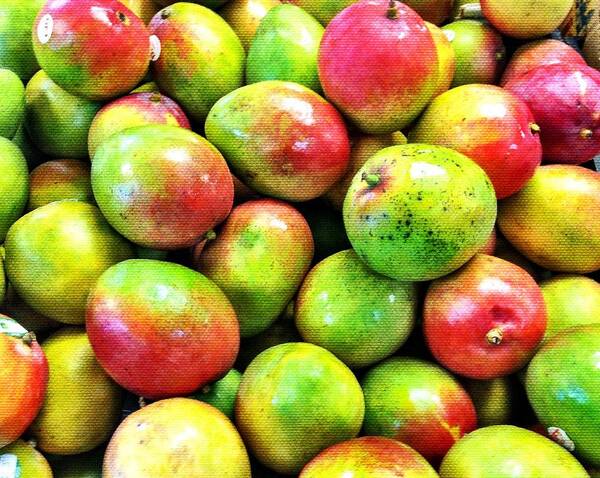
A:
[505,451]
[57,122]
[526,19]
[31,152]
[358,315]
[14,185]
[553,220]
[177,437]
[145,9]
[570,300]
[57,180]
[244,16]
[16,48]
[201,58]
[12,104]
[323,10]
[55,254]
[295,400]
[15,308]
[221,394]
[259,259]
[285,47]
[417,212]
[3,283]
[563,387]
[30,462]
[479,52]
[493,400]
[82,404]
[446,58]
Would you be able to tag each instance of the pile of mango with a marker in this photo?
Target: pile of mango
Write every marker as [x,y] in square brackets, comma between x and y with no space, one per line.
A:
[311,238]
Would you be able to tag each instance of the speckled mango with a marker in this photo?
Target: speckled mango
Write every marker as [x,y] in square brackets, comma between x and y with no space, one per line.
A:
[416,212]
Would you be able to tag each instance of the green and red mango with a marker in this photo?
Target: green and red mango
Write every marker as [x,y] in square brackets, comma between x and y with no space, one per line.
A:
[177,436]
[259,259]
[489,125]
[160,329]
[200,58]
[417,212]
[417,403]
[553,219]
[97,49]
[369,457]
[378,64]
[55,254]
[295,400]
[161,186]
[360,316]
[281,139]
[484,320]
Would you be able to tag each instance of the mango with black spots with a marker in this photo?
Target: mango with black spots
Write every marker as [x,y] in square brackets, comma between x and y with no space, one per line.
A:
[57,121]
[280,139]
[176,438]
[369,457]
[418,403]
[563,387]
[57,180]
[96,49]
[201,58]
[360,316]
[416,212]
[285,47]
[55,254]
[82,404]
[506,451]
[14,185]
[552,220]
[295,400]
[259,259]
[161,186]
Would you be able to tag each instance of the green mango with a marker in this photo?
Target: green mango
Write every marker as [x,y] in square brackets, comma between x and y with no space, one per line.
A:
[285,47]
[82,404]
[14,185]
[32,153]
[221,394]
[57,122]
[323,10]
[12,104]
[563,387]
[16,48]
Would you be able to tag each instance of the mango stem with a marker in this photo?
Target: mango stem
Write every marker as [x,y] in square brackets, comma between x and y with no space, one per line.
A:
[494,336]
[371,179]
[392,11]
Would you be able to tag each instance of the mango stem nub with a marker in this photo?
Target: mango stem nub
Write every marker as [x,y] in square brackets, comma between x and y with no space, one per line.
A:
[494,336]
[371,179]
[586,133]
[142,402]
[534,128]
[392,11]
[28,338]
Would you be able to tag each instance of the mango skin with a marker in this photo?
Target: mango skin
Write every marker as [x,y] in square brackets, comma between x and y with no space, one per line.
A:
[429,210]
[259,259]
[493,400]
[295,400]
[195,68]
[525,19]
[281,139]
[244,16]
[57,121]
[57,180]
[360,316]
[145,9]
[418,403]
[12,105]
[161,186]
[16,49]
[82,404]
[323,10]
[369,457]
[446,58]
[285,47]
[14,185]
[221,394]
[56,253]
[570,300]
[30,462]
[563,387]
[434,11]
[148,443]
[539,222]
[506,451]
[479,51]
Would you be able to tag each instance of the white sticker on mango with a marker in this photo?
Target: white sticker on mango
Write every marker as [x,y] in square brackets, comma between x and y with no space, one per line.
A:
[9,466]
[155,47]
[44,29]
